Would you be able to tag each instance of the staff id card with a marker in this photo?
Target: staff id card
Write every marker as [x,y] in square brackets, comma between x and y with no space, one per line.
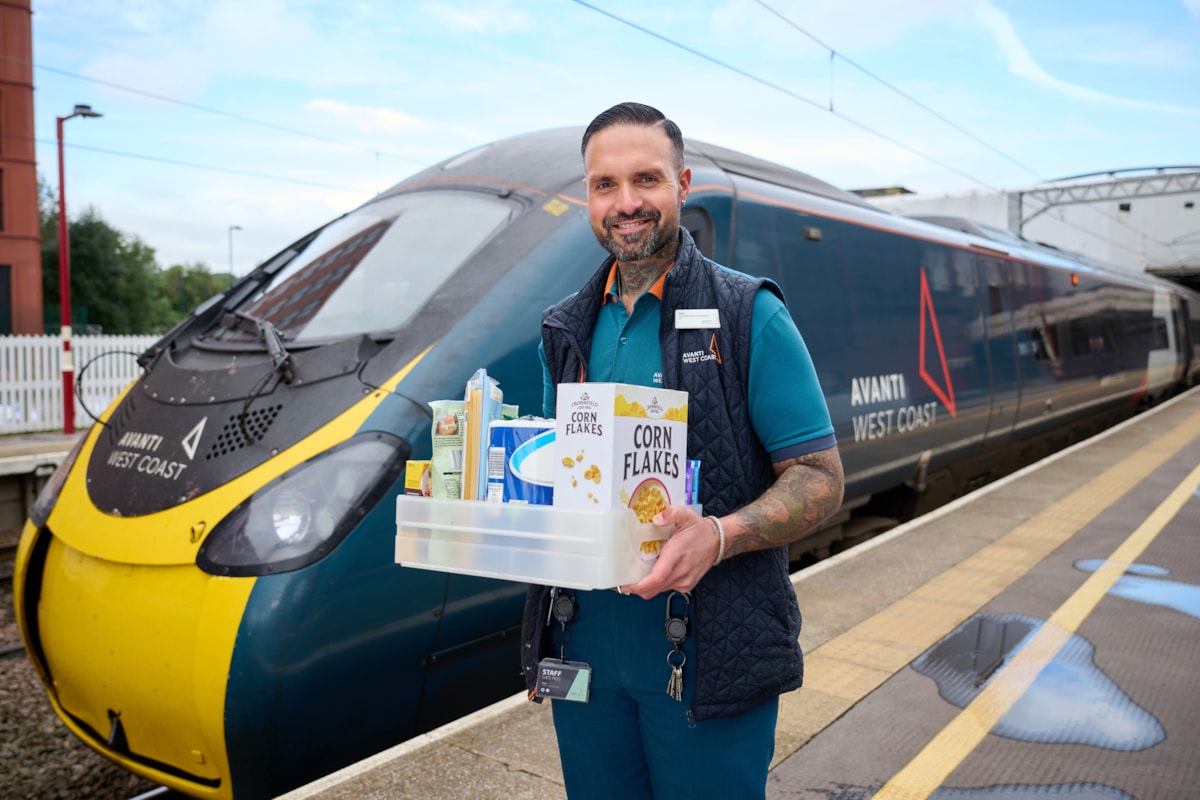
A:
[564,680]
[697,318]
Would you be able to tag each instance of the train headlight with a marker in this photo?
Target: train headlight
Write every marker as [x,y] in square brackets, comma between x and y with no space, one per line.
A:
[48,497]
[291,517]
[303,514]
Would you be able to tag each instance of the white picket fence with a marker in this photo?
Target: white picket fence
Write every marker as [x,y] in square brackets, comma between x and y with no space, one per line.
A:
[31,378]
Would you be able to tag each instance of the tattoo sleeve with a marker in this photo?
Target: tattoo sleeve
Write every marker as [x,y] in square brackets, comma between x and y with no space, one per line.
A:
[806,491]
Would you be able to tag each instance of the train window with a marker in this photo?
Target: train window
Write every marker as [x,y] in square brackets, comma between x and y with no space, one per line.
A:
[1045,348]
[700,226]
[995,300]
[373,269]
[1080,331]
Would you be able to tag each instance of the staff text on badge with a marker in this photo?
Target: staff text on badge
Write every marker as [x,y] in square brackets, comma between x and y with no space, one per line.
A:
[687,318]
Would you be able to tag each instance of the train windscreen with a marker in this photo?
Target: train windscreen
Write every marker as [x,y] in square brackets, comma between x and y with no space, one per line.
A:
[371,270]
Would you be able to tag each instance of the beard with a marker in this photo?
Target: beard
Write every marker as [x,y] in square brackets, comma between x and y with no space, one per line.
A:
[638,246]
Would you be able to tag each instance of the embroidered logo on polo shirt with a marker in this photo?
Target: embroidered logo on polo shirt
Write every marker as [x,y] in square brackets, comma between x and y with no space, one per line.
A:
[713,353]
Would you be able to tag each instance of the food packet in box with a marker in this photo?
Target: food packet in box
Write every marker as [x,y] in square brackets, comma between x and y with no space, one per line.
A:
[484,402]
[446,466]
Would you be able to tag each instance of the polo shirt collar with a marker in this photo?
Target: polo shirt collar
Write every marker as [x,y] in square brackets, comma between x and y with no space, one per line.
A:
[614,296]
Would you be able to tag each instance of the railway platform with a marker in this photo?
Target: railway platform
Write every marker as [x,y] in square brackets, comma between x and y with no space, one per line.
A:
[25,453]
[26,462]
[1037,638]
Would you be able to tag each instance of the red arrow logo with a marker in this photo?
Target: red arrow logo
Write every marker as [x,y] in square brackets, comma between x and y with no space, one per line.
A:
[929,320]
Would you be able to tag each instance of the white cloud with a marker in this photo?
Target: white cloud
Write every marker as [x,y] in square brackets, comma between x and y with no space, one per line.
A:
[1113,44]
[845,26]
[489,18]
[370,120]
[176,73]
[1022,64]
[1193,7]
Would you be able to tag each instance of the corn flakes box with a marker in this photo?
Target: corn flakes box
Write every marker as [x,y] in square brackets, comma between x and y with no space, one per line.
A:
[620,445]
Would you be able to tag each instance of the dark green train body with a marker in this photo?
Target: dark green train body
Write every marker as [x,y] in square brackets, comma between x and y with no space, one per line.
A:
[207,586]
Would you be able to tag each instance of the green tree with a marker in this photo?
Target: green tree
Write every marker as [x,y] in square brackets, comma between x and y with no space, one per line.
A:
[113,276]
[188,285]
[47,212]
[117,285]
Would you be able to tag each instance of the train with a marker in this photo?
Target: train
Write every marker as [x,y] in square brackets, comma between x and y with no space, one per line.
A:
[207,585]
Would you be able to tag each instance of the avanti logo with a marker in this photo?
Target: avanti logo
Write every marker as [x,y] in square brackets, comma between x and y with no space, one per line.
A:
[192,440]
[713,349]
[889,389]
[713,353]
[929,320]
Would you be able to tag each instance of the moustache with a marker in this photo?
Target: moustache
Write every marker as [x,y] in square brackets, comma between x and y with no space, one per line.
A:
[653,216]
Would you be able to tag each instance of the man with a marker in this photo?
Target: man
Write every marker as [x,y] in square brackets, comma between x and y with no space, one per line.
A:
[770,472]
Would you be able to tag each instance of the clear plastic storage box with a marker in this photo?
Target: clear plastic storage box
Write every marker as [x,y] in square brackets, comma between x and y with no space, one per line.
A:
[565,547]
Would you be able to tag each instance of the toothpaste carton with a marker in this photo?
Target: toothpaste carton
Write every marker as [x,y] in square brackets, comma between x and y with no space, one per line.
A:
[619,445]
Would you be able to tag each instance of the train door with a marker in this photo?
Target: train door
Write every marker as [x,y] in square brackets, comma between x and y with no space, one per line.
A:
[478,634]
[1164,362]
[1000,345]
[1039,361]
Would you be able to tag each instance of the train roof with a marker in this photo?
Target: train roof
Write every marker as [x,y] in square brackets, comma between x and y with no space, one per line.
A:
[737,163]
[549,160]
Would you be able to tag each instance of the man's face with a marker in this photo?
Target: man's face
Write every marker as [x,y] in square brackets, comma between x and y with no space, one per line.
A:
[634,190]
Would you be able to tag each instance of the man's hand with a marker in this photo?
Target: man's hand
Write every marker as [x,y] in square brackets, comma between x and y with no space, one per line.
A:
[685,557]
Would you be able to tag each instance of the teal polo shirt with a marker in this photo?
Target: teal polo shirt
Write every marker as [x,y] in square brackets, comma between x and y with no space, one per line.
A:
[787,409]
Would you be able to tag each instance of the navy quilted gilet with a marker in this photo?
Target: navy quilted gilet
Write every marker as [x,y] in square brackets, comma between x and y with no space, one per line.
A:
[746,621]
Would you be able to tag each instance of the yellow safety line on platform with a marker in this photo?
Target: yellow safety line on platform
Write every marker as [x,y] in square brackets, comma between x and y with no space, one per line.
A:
[849,667]
[925,773]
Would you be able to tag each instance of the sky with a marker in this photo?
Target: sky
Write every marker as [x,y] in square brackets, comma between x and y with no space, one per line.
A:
[276,116]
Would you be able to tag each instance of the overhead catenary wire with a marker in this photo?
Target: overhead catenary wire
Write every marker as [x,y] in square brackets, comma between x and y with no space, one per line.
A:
[834,54]
[190,165]
[830,109]
[794,95]
[210,110]
[226,170]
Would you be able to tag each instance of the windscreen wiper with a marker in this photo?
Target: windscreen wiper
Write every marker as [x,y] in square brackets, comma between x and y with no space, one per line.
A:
[271,337]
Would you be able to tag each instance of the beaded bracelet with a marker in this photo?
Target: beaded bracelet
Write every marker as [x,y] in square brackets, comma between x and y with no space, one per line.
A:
[720,532]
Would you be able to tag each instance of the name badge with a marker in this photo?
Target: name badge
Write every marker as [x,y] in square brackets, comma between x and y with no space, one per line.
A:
[690,318]
[564,680]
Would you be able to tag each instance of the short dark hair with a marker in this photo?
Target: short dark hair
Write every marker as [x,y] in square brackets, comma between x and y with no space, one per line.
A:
[635,114]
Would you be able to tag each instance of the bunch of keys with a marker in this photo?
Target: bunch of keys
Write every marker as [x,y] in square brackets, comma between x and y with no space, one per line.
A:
[676,629]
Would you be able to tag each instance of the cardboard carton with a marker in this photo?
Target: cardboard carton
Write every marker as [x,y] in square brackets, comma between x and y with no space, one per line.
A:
[620,445]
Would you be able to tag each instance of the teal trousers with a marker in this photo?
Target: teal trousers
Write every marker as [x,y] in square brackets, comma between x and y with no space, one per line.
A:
[631,740]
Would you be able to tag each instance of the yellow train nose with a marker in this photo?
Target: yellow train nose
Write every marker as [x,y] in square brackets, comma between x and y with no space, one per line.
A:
[138,658]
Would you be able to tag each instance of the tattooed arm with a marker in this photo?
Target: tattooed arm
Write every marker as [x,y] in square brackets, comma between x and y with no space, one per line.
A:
[806,491]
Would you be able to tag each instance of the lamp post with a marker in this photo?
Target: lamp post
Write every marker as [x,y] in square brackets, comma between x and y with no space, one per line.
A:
[64,277]
[232,228]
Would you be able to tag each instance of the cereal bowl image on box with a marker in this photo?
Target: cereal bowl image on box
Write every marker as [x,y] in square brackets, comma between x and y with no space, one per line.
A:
[649,498]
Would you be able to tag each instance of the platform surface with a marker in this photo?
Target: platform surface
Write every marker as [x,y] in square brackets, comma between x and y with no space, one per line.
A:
[24,453]
[1038,638]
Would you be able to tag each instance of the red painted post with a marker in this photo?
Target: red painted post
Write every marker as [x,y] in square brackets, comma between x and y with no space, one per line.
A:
[64,294]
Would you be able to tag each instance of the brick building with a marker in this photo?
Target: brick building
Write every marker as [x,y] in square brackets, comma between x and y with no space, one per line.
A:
[20,243]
